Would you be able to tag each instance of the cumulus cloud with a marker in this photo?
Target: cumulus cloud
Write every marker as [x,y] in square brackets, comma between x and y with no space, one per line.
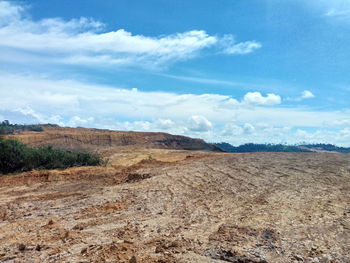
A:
[83,41]
[199,124]
[306,94]
[255,98]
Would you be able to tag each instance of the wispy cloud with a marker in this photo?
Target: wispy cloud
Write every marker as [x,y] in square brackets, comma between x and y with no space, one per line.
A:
[261,85]
[203,80]
[333,9]
[83,41]
[230,46]
[338,13]
[306,94]
[69,102]
[337,9]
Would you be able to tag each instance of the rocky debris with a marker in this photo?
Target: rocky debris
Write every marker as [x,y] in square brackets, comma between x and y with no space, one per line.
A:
[234,234]
[136,177]
[230,256]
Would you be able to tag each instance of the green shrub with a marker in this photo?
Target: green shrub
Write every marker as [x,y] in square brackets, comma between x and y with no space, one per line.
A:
[7,128]
[17,157]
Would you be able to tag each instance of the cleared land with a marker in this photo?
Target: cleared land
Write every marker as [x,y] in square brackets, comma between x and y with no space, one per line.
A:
[192,207]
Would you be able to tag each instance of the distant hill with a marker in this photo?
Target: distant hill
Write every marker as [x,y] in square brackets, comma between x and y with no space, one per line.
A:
[101,140]
[252,147]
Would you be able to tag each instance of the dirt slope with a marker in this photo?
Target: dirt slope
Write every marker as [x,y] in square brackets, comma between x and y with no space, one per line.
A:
[100,140]
[264,207]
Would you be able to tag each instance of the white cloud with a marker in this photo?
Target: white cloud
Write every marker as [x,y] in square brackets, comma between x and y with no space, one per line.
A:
[230,46]
[76,121]
[9,12]
[164,124]
[336,9]
[344,122]
[82,41]
[248,128]
[232,129]
[208,116]
[306,94]
[255,98]
[199,124]
[333,9]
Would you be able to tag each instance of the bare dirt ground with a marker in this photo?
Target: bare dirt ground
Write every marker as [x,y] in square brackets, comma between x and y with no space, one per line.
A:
[200,207]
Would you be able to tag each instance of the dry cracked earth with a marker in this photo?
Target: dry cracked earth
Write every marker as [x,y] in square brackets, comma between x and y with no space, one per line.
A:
[264,207]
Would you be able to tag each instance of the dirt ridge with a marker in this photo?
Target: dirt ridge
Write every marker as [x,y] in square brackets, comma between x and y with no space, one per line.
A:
[100,140]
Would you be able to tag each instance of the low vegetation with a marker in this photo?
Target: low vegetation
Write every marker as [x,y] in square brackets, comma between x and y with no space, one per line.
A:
[327,147]
[253,147]
[18,157]
[7,128]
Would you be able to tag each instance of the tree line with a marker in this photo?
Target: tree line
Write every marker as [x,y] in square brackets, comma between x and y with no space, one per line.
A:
[267,147]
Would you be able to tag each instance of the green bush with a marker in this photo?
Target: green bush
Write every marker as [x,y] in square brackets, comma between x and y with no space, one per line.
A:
[17,157]
[7,128]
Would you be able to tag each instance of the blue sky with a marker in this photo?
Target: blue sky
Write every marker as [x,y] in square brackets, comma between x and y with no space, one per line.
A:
[235,71]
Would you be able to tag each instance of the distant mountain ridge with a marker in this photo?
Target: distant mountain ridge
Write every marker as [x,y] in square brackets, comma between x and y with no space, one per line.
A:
[253,147]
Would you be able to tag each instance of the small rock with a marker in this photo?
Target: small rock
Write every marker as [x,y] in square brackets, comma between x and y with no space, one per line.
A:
[159,249]
[175,244]
[21,247]
[133,260]
[38,247]
[78,227]
[298,258]
[64,235]
[83,251]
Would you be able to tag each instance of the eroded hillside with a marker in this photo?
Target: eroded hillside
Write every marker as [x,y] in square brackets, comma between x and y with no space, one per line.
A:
[262,207]
[102,140]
